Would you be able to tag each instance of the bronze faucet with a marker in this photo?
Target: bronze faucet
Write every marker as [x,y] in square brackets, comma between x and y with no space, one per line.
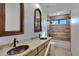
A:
[14,43]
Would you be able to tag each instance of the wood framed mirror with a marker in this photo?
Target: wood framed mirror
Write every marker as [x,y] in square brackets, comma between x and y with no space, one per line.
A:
[11,19]
[37,20]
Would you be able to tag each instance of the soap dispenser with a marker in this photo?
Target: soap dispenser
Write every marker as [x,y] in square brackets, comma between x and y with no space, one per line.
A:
[39,35]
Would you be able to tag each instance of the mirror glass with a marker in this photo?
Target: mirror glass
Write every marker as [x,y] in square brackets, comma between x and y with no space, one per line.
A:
[37,20]
[12,17]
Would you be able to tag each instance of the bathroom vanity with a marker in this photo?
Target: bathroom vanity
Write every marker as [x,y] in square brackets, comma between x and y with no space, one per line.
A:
[37,47]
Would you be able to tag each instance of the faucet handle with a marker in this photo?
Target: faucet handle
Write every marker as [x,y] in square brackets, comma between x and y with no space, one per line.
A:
[16,40]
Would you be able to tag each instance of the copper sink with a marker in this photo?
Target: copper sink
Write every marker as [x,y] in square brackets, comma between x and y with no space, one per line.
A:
[17,50]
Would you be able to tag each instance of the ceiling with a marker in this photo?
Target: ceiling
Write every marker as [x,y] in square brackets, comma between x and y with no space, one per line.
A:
[51,8]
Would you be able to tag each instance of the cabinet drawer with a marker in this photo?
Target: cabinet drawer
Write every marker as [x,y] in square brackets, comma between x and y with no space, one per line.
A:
[32,53]
[41,48]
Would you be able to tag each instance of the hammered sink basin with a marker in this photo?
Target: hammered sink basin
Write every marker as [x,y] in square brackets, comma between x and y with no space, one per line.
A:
[17,50]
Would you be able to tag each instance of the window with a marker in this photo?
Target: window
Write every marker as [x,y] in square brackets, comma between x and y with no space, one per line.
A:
[59,21]
[63,21]
[55,22]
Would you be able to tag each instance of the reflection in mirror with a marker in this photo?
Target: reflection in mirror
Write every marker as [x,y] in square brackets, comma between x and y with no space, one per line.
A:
[12,17]
[37,14]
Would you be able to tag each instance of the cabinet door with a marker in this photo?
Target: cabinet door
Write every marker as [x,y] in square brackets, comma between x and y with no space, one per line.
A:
[32,53]
[41,47]
[46,44]
[41,53]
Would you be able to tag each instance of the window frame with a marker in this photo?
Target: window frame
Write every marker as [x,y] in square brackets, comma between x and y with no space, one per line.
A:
[59,22]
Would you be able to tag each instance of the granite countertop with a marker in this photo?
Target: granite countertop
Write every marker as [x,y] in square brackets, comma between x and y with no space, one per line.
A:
[33,43]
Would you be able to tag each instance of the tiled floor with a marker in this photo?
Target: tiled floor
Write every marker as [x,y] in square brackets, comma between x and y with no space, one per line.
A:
[60,48]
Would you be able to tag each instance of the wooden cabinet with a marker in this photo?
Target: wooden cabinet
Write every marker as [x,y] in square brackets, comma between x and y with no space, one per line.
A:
[39,51]
[41,47]
[32,53]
